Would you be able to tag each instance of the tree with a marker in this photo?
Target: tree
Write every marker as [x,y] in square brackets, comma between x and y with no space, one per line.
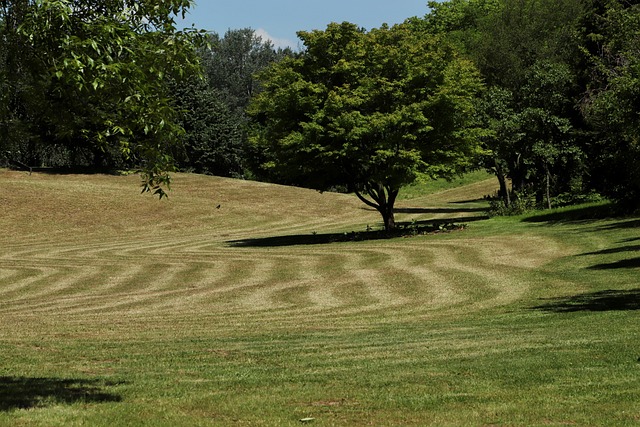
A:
[214,137]
[19,88]
[232,62]
[463,21]
[369,111]
[212,109]
[610,105]
[93,74]
[526,51]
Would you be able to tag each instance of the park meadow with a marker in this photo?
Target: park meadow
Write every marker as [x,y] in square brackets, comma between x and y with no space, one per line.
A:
[250,304]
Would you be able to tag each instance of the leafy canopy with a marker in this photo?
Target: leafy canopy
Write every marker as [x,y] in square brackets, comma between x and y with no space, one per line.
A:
[369,111]
[612,99]
[100,69]
[526,51]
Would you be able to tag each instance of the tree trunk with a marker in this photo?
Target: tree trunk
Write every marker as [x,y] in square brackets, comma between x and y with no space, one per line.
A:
[388,218]
[507,192]
[504,193]
[548,189]
[518,174]
[384,198]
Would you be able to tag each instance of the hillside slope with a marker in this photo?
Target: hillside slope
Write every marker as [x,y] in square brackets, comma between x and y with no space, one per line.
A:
[93,244]
[117,309]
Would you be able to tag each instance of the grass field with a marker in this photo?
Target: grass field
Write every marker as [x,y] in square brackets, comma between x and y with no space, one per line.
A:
[120,310]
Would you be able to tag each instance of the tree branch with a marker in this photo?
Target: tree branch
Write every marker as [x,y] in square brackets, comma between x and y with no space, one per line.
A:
[367,201]
[392,194]
[377,194]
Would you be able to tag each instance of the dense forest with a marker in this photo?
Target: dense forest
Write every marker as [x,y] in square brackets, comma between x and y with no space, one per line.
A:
[545,94]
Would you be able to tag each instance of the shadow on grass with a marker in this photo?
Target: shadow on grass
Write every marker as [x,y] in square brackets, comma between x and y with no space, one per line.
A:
[404,229]
[622,249]
[582,214]
[625,263]
[633,223]
[631,239]
[67,170]
[437,210]
[476,200]
[25,393]
[609,300]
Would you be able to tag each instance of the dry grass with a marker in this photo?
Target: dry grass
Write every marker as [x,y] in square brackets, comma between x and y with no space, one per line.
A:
[91,245]
[149,303]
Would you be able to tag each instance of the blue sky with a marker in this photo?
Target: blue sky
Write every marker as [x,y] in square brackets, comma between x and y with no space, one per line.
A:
[279,20]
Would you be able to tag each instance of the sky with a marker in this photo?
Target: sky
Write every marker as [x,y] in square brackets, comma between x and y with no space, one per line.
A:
[279,20]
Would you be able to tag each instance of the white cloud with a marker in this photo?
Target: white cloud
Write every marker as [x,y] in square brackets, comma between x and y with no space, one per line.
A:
[278,43]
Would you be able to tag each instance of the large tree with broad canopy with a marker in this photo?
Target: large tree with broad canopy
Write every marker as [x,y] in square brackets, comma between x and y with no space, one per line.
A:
[367,111]
[88,74]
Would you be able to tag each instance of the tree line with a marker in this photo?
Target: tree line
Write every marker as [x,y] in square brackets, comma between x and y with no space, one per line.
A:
[115,85]
[561,97]
[545,94]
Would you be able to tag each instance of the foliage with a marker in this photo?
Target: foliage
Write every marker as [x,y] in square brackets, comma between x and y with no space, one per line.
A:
[214,137]
[371,111]
[524,203]
[212,109]
[232,62]
[526,52]
[462,20]
[424,188]
[612,98]
[18,88]
[92,76]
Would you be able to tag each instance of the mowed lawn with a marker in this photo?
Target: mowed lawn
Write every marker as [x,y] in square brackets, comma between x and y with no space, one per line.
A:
[218,306]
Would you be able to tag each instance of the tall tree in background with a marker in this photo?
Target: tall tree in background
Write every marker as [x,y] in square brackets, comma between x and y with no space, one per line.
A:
[215,135]
[232,62]
[612,101]
[20,87]
[526,50]
[91,75]
[370,111]
[212,109]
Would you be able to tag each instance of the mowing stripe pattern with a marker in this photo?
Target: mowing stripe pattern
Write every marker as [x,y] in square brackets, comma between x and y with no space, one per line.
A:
[117,256]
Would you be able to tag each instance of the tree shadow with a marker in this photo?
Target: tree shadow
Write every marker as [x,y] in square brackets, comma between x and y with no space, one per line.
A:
[633,223]
[476,200]
[625,263]
[633,248]
[307,239]
[582,214]
[404,229]
[439,221]
[437,210]
[631,239]
[609,300]
[67,170]
[25,393]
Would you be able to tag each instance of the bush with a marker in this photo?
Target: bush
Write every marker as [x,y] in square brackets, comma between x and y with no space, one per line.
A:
[520,204]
